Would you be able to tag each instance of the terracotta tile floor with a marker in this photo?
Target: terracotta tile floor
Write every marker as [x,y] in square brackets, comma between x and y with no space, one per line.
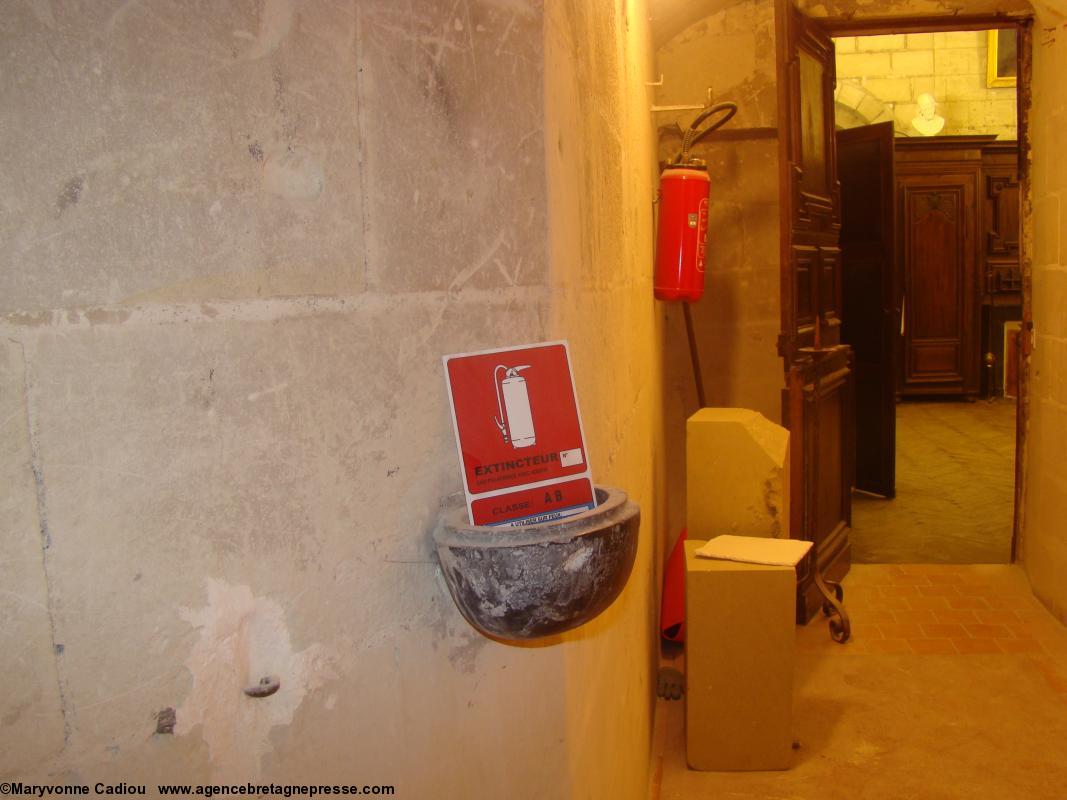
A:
[955,488]
[954,685]
[943,609]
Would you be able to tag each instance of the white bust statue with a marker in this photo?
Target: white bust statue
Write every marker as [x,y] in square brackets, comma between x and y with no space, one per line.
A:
[927,122]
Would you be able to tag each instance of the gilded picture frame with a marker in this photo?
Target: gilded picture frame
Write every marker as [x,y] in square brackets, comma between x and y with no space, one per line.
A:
[1001,59]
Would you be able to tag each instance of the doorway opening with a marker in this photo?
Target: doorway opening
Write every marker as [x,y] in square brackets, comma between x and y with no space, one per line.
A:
[932,291]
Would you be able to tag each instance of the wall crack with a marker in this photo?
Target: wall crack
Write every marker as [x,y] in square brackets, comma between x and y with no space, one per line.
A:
[33,432]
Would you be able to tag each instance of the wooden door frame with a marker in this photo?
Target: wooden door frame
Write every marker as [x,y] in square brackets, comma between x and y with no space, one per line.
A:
[817,397]
[840,26]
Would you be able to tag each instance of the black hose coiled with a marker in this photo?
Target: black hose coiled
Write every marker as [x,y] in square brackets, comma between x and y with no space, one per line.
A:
[692,136]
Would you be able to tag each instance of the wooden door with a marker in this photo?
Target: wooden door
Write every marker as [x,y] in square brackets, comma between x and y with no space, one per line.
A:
[941,312]
[870,301]
[817,399]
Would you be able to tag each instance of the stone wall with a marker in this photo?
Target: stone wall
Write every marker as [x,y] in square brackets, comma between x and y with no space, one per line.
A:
[732,51]
[599,149]
[236,243]
[1044,539]
[879,79]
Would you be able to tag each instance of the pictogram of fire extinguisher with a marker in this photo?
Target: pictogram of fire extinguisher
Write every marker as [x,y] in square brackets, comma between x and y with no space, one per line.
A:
[513,404]
[682,237]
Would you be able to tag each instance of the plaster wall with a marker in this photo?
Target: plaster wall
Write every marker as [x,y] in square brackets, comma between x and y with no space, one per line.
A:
[1044,537]
[235,246]
[880,77]
[732,52]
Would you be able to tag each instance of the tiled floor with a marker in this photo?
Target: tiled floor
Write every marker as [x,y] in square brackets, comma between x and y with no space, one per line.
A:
[943,609]
[955,488]
[954,685]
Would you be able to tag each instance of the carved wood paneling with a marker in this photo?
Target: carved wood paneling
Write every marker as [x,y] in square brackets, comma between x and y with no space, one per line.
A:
[810,335]
[937,244]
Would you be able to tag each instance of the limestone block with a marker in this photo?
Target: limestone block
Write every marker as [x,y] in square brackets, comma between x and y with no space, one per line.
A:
[926,84]
[1048,224]
[846,44]
[871,107]
[896,41]
[452,145]
[921,41]
[920,63]
[737,474]
[962,88]
[157,192]
[31,720]
[905,113]
[890,89]
[222,495]
[856,65]
[1050,291]
[956,62]
[739,663]
[964,40]
[1001,111]
[850,93]
[885,116]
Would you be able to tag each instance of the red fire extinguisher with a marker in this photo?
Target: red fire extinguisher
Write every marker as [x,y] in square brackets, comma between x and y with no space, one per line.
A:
[682,239]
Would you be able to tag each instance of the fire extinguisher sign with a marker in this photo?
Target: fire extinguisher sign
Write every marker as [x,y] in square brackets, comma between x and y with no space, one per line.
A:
[519,434]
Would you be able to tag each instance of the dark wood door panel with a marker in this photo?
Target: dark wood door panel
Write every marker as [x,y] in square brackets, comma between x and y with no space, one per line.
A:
[938,253]
[818,412]
[936,248]
[934,360]
[1002,214]
[830,295]
[804,267]
[811,299]
[811,77]
[1002,276]
[870,298]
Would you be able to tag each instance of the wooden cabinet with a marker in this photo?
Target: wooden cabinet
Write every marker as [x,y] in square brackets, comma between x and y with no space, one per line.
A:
[957,235]
[1000,224]
[1002,276]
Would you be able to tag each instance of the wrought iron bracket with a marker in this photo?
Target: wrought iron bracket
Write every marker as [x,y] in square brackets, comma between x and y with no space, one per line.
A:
[833,606]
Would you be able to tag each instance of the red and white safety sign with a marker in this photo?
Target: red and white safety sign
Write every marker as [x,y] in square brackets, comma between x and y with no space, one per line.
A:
[519,434]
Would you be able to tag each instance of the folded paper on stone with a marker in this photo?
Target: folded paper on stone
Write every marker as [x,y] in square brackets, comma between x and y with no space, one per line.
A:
[756,550]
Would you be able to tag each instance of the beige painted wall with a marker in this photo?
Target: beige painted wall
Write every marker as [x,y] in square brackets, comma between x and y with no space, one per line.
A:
[738,320]
[879,78]
[1044,539]
[235,246]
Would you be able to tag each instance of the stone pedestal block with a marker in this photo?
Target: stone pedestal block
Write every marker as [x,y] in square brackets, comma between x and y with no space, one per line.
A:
[737,474]
[739,664]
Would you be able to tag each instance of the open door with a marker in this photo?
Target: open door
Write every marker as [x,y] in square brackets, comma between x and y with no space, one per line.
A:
[869,297]
[817,401]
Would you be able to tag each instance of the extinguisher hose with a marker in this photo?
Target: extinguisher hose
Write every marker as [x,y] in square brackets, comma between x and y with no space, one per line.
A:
[692,136]
[500,423]
[698,376]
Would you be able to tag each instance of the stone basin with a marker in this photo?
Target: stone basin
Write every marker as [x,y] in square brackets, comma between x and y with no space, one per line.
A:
[538,580]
